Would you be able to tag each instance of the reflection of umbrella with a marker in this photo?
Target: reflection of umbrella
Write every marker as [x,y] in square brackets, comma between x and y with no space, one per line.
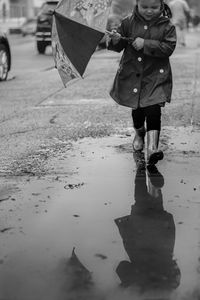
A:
[77,28]
[80,277]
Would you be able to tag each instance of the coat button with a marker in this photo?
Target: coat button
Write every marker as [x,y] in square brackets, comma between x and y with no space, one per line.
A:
[161,71]
[145,27]
[139,58]
[135,90]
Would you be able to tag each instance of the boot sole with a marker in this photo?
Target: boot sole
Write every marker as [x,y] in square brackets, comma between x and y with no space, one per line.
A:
[155,157]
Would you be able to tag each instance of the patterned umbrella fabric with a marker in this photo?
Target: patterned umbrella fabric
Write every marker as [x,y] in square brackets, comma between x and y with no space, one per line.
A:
[77,28]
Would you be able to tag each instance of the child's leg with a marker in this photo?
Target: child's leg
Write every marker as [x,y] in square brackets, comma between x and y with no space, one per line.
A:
[153,117]
[138,124]
[153,120]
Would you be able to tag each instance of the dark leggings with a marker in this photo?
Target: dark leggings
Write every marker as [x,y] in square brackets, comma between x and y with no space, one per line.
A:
[150,114]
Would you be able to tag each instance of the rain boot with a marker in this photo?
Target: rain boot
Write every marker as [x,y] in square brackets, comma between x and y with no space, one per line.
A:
[156,194]
[153,154]
[138,142]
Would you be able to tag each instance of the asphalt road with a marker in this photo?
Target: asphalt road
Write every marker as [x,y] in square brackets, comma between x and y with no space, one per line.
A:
[69,180]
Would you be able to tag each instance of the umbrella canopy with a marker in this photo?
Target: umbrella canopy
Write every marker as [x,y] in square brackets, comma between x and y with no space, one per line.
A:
[77,28]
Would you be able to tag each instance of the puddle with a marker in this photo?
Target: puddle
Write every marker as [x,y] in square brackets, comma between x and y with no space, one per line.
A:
[108,231]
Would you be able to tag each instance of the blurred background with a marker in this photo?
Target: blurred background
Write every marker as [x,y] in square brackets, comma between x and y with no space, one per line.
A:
[13,13]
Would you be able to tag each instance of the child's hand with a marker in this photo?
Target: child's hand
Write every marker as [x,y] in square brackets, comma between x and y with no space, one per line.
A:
[114,36]
[138,43]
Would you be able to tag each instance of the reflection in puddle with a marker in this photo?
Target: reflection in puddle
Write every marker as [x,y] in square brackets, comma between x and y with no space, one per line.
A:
[135,232]
[148,235]
[80,276]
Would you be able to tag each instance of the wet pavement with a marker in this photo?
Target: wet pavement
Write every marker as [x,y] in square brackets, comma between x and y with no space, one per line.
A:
[98,224]
[104,226]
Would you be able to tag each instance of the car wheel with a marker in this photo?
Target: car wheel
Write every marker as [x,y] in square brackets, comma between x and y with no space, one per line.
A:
[41,47]
[4,63]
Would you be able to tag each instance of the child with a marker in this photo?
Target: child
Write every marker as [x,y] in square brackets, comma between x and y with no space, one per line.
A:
[144,78]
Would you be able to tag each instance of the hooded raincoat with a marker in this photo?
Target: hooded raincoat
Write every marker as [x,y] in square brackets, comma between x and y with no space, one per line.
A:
[144,77]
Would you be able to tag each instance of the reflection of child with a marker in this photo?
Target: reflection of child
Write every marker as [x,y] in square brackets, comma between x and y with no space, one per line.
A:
[148,235]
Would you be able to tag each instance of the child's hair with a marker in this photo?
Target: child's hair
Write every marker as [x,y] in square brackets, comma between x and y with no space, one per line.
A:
[165,8]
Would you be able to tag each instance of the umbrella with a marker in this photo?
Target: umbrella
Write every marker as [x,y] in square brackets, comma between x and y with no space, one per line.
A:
[79,277]
[77,28]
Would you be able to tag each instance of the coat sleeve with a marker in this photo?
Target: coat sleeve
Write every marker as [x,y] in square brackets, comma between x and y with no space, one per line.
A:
[123,30]
[163,48]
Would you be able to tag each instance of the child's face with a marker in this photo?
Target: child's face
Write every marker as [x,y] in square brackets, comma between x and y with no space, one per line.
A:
[149,8]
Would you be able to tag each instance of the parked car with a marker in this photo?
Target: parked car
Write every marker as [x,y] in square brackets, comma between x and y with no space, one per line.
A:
[29,27]
[5,57]
[44,25]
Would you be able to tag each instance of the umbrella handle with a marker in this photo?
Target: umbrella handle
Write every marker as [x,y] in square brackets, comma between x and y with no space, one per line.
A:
[128,39]
[108,32]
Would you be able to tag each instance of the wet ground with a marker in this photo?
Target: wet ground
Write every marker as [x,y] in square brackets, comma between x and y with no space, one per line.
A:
[85,220]
[104,226]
